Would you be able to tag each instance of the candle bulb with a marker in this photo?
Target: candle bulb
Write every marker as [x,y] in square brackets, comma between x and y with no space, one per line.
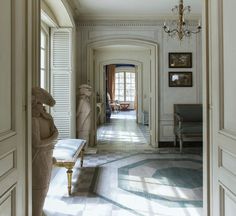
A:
[199,23]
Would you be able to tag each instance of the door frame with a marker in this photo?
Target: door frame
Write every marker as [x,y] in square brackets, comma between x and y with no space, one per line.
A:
[154,83]
[207,109]
[32,64]
[33,11]
[100,78]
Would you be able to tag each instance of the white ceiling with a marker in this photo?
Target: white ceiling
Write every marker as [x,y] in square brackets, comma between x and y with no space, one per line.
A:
[133,9]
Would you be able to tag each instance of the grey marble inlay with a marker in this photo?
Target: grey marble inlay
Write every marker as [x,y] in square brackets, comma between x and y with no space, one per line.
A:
[179,177]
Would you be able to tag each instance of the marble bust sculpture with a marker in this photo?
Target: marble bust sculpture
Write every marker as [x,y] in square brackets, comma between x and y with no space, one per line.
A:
[83,114]
[44,132]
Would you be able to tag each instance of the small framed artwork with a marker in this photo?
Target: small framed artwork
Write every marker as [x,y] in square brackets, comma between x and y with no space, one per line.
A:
[180,60]
[180,79]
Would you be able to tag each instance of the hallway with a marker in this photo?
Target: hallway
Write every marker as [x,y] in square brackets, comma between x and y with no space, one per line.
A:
[122,132]
[127,177]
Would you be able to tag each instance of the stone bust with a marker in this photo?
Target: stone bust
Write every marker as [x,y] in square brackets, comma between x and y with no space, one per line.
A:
[83,114]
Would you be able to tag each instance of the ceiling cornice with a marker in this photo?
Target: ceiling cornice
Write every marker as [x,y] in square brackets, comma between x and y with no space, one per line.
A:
[125,23]
[137,18]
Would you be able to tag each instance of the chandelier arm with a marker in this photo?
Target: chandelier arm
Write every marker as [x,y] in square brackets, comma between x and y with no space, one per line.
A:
[188,32]
[195,32]
[170,31]
[174,31]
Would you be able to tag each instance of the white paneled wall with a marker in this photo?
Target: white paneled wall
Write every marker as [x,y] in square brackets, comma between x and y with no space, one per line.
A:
[149,31]
[173,95]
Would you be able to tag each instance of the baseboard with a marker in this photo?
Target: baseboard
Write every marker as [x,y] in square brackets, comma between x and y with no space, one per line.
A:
[185,144]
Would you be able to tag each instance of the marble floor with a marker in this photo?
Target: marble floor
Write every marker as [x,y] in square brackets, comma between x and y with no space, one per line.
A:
[122,132]
[127,177]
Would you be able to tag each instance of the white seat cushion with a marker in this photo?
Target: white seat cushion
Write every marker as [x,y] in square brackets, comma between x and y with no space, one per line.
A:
[67,149]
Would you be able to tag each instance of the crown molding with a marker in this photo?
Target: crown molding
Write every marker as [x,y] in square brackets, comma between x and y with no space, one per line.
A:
[125,23]
[144,17]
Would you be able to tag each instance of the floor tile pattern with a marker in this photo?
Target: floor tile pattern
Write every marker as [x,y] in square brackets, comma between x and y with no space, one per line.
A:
[127,177]
[159,181]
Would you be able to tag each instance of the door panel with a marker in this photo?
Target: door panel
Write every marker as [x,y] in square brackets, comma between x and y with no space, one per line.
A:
[228,62]
[229,203]
[6,204]
[12,111]
[223,140]
[5,61]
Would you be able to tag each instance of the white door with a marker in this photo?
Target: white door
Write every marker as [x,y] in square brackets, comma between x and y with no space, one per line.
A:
[12,110]
[222,57]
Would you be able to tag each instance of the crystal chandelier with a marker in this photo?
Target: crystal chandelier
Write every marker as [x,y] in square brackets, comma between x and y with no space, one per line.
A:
[182,28]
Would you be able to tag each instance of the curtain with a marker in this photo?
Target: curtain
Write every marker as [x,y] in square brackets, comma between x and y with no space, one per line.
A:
[111,69]
[135,102]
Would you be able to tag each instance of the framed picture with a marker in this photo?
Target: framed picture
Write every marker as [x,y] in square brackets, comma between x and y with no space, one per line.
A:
[180,60]
[180,79]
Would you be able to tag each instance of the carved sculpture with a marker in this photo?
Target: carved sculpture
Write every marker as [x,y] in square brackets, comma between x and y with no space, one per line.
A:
[84,113]
[44,132]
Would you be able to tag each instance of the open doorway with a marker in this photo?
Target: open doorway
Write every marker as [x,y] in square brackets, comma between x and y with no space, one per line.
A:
[122,110]
[121,85]
[142,56]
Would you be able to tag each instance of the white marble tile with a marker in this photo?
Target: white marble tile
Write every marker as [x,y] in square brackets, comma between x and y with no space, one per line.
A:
[122,143]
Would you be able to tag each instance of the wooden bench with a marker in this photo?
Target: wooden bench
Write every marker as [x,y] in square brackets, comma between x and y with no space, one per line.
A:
[66,153]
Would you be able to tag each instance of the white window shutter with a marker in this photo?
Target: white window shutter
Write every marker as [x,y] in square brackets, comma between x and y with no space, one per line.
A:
[61,81]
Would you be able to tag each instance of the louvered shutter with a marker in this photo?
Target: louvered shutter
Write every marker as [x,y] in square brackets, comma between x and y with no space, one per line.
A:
[61,81]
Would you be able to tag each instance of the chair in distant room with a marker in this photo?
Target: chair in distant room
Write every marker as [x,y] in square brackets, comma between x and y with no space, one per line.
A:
[115,105]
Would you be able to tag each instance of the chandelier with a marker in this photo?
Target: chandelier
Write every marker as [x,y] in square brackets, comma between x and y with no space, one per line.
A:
[182,27]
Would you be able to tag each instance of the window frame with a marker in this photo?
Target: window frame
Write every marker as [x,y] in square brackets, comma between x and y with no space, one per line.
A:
[125,72]
[45,30]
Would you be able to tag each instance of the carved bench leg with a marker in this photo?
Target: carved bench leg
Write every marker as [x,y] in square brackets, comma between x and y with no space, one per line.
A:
[69,179]
[82,157]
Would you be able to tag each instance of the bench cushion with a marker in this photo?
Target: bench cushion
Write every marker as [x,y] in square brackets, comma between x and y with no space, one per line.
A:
[67,149]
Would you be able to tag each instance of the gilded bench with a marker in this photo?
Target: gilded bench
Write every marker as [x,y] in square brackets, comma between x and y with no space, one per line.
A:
[66,153]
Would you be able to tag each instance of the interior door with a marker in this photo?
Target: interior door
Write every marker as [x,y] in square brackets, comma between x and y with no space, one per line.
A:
[223,140]
[12,109]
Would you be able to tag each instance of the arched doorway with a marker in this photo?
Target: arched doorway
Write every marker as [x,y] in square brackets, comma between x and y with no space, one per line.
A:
[95,70]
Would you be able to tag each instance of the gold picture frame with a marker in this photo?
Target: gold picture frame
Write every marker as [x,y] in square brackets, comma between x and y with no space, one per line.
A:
[180,79]
[180,60]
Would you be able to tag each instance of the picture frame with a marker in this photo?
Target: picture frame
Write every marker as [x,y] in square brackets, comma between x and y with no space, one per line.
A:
[180,79]
[180,60]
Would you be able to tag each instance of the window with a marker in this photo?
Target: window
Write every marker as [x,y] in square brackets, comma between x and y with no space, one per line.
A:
[43,60]
[125,86]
